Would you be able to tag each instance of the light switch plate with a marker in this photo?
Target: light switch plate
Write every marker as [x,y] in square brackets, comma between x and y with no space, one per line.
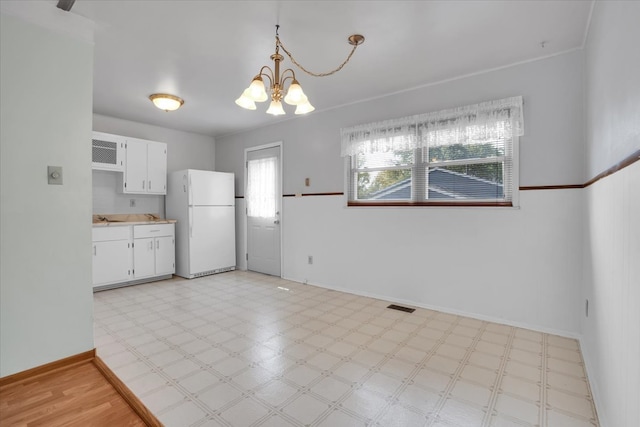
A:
[54,174]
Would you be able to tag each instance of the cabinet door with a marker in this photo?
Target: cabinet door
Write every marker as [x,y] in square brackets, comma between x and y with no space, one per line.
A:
[135,174]
[143,258]
[111,262]
[157,168]
[165,255]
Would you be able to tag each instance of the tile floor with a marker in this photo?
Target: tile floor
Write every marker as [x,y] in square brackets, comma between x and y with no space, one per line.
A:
[243,349]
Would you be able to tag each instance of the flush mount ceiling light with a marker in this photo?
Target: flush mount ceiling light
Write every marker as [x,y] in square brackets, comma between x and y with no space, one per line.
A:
[166,102]
[256,92]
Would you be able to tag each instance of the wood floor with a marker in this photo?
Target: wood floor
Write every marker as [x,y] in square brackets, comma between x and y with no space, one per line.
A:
[78,395]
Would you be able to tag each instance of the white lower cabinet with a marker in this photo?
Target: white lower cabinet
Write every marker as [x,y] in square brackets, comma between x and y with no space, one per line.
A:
[112,257]
[128,253]
[165,255]
[154,250]
[144,258]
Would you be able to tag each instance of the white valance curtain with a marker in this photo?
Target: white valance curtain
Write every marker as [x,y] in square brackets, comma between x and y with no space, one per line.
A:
[472,123]
[261,187]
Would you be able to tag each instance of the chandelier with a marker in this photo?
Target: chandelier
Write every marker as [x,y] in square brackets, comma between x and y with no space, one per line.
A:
[257,92]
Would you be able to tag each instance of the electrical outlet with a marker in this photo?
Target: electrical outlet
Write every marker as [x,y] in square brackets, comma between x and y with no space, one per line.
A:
[310,259]
[132,203]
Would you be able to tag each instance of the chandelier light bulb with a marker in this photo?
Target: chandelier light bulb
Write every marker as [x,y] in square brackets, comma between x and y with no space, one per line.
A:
[304,107]
[245,101]
[276,108]
[257,91]
[295,95]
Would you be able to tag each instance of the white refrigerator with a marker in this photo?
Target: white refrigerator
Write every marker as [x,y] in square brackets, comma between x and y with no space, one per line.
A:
[203,203]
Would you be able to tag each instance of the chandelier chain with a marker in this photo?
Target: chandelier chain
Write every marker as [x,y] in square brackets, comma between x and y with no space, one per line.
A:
[311,73]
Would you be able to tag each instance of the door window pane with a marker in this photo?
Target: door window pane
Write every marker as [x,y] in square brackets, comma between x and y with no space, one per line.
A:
[261,187]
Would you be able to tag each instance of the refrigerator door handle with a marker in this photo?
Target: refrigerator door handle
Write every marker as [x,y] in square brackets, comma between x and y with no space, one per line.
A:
[191,222]
[191,201]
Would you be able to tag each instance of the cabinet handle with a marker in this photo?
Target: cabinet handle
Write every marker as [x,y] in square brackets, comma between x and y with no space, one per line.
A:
[150,245]
[157,244]
[95,252]
[149,184]
[143,182]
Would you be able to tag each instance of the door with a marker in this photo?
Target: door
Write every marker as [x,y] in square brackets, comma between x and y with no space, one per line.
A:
[157,167]
[264,197]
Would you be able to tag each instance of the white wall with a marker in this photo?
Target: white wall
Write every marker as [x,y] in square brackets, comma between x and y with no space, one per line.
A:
[185,150]
[46,303]
[612,90]
[413,254]
[611,343]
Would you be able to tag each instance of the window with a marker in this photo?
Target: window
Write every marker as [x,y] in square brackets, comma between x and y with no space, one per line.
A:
[463,156]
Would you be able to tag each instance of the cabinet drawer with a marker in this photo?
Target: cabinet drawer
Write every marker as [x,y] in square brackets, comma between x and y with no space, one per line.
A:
[142,231]
[105,234]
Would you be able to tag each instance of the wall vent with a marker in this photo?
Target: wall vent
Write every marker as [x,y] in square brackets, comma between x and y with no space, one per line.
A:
[401,308]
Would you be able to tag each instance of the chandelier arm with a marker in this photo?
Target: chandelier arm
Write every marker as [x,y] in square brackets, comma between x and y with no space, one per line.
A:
[270,77]
[284,80]
[284,77]
[279,43]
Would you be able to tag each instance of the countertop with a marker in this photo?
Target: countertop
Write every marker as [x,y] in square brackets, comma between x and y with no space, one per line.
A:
[115,220]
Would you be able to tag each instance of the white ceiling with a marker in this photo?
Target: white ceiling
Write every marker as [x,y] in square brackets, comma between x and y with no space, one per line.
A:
[207,52]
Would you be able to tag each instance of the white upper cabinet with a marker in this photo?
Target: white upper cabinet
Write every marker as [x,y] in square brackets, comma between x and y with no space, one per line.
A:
[107,152]
[143,163]
[157,168]
[135,173]
[145,167]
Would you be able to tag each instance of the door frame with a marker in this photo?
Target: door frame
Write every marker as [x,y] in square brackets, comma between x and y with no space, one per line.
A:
[277,144]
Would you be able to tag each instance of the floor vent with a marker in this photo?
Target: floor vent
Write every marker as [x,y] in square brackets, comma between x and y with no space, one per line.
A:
[401,308]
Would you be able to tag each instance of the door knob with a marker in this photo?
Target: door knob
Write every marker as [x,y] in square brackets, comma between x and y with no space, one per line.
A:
[277,221]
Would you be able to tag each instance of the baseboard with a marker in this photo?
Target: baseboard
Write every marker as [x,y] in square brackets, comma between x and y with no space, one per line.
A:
[131,283]
[522,325]
[57,365]
[133,401]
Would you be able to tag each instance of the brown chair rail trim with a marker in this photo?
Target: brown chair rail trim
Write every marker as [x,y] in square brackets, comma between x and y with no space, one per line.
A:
[133,401]
[47,368]
[314,194]
[628,161]
[551,187]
